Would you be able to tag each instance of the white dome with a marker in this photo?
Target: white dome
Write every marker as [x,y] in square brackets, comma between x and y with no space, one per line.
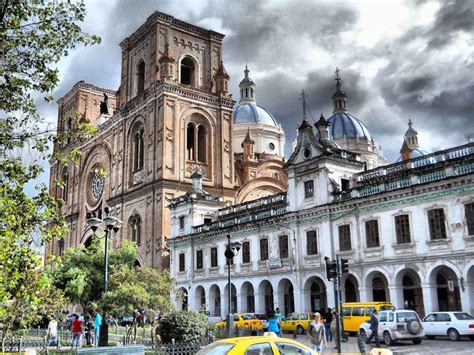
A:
[250,113]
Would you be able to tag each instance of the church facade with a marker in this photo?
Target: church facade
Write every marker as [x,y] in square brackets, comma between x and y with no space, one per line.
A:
[171,116]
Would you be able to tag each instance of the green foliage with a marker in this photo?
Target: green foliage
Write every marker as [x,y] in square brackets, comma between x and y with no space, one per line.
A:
[34,36]
[81,273]
[182,326]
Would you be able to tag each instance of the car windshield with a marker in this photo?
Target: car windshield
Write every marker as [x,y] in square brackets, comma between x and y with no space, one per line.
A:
[463,316]
[216,349]
[403,317]
[248,316]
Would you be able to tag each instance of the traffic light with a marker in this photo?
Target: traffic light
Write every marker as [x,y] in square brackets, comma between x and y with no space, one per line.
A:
[344,266]
[331,269]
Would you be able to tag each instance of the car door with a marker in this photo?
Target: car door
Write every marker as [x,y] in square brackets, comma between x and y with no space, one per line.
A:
[383,319]
[443,321]
[429,324]
[287,348]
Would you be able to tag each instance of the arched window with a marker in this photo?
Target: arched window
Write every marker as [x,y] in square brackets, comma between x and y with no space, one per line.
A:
[190,141]
[141,77]
[138,150]
[187,71]
[135,229]
[202,144]
[65,187]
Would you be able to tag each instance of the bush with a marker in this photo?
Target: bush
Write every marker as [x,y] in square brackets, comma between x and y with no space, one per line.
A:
[182,326]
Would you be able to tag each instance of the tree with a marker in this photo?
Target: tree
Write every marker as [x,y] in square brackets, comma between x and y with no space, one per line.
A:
[34,36]
[131,288]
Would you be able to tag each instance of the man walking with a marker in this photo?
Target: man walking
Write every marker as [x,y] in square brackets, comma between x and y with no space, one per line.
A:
[279,318]
[97,324]
[374,327]
[77,332]
[327,324]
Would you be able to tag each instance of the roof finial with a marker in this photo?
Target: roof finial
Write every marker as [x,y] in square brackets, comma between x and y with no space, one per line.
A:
[303,97]
[338,83]
[246,71]
[410,123]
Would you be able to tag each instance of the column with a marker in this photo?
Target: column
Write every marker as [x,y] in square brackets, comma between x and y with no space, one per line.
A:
[396,296]
[431,302]
[467,301]
[241,302]
[224,306]
[363,294]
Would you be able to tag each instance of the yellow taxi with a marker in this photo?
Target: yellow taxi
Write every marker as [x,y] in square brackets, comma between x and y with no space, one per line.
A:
[266,344]
[243,321]
[297,322]
[356,313]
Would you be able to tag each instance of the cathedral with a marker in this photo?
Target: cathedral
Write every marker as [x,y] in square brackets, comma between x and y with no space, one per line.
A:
[187,169]
[172,116]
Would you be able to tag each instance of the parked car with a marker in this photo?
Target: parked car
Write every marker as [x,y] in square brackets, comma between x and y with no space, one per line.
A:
[211,319]
[125,320]
[266,344]
[452,324]
[264,319]
[297,322]
[401,324]
[243,321]
[356,313]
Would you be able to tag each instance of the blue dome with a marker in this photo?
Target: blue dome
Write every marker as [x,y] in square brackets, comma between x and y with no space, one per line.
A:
[343,124]
[252,113]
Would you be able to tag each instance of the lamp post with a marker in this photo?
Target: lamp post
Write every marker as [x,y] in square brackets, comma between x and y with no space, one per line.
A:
[231,250]
[109,223]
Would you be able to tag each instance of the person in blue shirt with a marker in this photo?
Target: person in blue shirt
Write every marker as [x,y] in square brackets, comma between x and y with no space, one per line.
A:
[273,324]
[97,324]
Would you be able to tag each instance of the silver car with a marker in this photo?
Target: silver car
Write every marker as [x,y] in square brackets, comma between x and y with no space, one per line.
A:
[401,324]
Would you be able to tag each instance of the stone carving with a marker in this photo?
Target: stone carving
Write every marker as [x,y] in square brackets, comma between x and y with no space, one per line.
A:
[137,177]
[104,105]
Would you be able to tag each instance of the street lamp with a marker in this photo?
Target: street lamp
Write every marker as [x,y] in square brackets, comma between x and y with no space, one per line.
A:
[110,223]
[231,250]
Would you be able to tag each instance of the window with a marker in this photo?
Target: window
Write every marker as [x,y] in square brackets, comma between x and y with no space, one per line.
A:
[187,71]
[283,244]
[345,185]
[138,150]
[259,349]
[140,77]
[372,233]
[443,317]
[391,317]
[430,318]
[290,349]
[346,311]
[358,311]
[202,144]
[181,222]
[207,220]
[345,237]
[311,243]
[181,262]
[469,210]
[437,224]
[271,146]
[135,229]
[190,141]
[245,252]
[65,188]
[213,257]
[263,249]
[402,229]
[308,189]
[383,317]
[198,259]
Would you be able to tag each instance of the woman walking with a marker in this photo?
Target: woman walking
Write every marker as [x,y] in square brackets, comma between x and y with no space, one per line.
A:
[317,334]
[77,332]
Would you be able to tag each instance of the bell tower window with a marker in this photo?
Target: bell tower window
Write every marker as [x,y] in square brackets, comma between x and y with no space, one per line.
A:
[141,77]
[135,229]
[187,70]
[202,144]
[65,187]
[138,150]
[190,141]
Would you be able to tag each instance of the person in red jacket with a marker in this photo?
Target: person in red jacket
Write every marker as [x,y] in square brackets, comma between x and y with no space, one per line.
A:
[77,332]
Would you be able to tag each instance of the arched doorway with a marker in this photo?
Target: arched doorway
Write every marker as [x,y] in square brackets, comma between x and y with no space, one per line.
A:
[200,298]
[447,289]
[182,299]
[412,293]
[286,297]
[315,297]
[470,290]
[215,300]
[248,298]
[351,289]
[265,296]
[233,299]
[377,287]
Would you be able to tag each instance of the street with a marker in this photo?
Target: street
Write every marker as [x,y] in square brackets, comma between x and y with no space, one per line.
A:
[437,346]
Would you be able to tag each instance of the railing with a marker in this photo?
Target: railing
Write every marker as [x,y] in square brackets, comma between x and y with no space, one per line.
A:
[464,169]
[253,204]
[397,184]
[432,176]
[369,190]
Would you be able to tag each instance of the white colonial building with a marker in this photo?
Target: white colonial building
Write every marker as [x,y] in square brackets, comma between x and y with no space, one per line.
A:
[407,229]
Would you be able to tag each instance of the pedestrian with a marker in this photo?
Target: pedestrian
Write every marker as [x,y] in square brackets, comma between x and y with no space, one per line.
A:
[89,327]
[374,328]
[273,325]
[280,318]
[333,327]
[317,334]
[97,325]
[327,324]
[52,336]
[77,332]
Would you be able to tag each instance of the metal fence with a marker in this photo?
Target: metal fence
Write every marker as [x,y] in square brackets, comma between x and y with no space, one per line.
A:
[35,338]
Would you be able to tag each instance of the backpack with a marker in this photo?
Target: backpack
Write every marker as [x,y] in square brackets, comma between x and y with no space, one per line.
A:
[316,338]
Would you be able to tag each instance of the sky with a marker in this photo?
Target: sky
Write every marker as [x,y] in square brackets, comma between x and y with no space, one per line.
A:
[399,60]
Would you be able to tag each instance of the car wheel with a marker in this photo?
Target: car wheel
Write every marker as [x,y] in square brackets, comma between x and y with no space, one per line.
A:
[387,338]
[417,341]
[299,330]
[453,334]
[430,337]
